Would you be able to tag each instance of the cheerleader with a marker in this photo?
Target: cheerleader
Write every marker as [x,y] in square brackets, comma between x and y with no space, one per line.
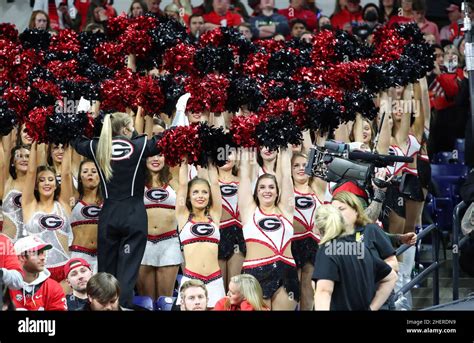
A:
[268,231]
[304,245]
[160,263]
[85,215]
[198,211]
[232,247]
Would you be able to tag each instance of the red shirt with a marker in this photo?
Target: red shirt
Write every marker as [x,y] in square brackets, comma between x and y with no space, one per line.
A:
[53,15]
[243,306]
[82,7]
[233,19]
[309,17]
[8,258]
[344,17]
[48,296]
[444,89]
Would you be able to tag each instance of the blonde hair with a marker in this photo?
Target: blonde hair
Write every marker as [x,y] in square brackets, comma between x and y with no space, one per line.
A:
[353,202]
[250,290]
[329,222]
[113,124]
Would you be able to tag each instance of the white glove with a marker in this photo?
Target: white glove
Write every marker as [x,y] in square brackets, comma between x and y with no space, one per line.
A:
[182,101]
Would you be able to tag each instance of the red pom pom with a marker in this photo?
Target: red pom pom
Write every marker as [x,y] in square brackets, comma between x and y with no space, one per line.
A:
[345,75]
[8,53]
[388,44]
[208,93]
[63,70]
[111,55]
[34,125]
[149,95]
[323,47]
[65,41]
[116,26]
[47,87]
[17,99]
[213,38]
[136,42]
[180,58]
[8,31]
[180,142]
[270,45]
[243,130]
[275,108]
[22,64]
[120,92]
[256,64]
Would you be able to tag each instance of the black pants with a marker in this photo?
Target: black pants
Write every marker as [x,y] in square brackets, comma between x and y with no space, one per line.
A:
[123,229]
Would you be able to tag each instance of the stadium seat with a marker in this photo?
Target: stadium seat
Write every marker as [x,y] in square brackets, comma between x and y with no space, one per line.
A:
[444,157]
[177,284]
[449,170]
[164,303]
[143,301]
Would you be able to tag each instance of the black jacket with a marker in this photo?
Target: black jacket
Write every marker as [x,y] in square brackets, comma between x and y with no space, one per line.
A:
[128,164]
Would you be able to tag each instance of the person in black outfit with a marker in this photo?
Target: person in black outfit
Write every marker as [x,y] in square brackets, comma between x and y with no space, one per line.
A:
[348,276]
[120,156]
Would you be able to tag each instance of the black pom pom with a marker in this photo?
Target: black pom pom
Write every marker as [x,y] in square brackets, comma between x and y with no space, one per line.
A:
[324,114]
[244,91]
[215,145]
[35,39]
[359,102]
[209,59]
[277,132]
[63,127]
[8,118]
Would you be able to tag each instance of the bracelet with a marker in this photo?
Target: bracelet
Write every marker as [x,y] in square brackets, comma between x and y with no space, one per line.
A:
[379,195]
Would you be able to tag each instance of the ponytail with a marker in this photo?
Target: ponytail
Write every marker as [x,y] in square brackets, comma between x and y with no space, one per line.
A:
[330,223]
[104,148]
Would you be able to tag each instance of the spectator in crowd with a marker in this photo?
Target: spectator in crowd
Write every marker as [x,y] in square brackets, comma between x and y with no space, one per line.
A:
[407,9]
[438,63]
[193,296]
[388,9]
[339,5]
[245,294]
[298,27]
[196,26]
[447,124]
[39,20]
[62,13]
[246,31]
[426,26]
[97,14]
[78,272]
[103,293]
[172,11]
[10,269]
[348,17]
[352,280]
[255,6]
[324,23]
[38,292]
[298,10]
[154,7]
[370,13]
[268,23]
[137,8]
[279,38]
[205,7]
[430,39]
[221,16]
[449,32]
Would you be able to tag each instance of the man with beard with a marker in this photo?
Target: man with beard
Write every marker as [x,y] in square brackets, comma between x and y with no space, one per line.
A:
[77,272]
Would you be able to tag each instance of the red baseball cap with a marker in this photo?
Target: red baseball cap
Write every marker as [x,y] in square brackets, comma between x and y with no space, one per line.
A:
[74,263]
